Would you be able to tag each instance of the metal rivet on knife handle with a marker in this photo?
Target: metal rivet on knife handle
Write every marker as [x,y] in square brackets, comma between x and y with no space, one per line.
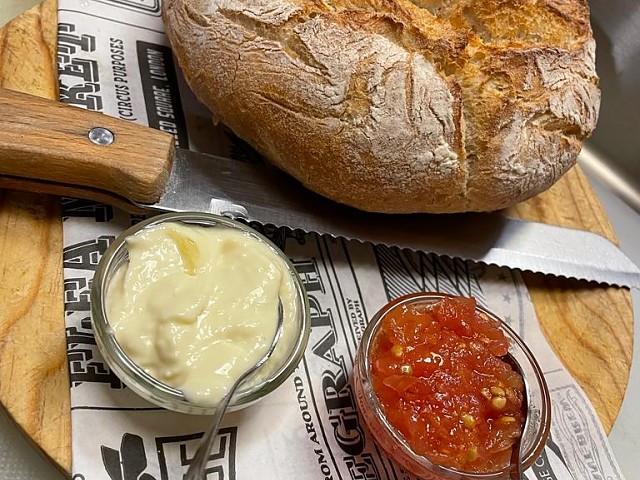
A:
[101,136]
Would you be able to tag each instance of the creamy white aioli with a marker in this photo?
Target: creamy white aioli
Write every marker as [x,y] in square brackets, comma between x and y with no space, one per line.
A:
[195,307]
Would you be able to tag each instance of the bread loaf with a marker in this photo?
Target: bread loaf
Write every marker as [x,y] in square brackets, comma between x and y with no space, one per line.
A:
[396,105]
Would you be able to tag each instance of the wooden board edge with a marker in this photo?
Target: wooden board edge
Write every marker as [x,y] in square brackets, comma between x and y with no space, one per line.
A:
[31,280]
[589,328]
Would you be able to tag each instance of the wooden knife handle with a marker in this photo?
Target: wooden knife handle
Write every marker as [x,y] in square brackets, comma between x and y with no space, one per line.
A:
[47,143]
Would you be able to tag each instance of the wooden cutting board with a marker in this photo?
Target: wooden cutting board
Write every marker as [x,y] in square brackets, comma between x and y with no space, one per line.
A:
[34,383]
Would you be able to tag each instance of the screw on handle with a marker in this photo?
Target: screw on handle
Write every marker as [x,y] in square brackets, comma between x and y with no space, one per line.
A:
[101,136]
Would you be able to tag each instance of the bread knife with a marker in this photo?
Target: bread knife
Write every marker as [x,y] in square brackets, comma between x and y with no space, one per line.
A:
[49,147]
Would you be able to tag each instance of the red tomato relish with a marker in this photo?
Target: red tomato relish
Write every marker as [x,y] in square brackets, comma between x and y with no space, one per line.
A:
[437,372]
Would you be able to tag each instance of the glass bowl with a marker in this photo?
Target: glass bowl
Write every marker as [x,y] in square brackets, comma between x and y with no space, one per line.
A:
[267,378]
[396,447]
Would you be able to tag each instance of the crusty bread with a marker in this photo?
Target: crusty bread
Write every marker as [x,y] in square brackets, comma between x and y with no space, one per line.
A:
[397,105]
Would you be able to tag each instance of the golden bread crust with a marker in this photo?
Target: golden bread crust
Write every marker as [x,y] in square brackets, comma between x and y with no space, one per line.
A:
[395,105]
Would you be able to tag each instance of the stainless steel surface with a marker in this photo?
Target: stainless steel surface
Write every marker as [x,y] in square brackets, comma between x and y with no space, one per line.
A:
[613,153]
[612,162]
[20,459]
[12,8]
[264,194]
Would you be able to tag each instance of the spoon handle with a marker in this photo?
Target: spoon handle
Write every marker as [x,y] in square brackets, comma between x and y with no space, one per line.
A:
[516,461]
[515,467]
[199,461]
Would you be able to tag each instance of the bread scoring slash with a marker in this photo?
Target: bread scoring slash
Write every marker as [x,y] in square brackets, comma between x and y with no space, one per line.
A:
[399,106]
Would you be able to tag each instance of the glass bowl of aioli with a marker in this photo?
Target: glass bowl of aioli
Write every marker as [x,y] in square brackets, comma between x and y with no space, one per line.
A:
[389,424]
[114,264]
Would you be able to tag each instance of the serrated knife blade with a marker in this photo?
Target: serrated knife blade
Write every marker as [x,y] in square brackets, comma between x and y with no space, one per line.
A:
[54,148]
[265,195]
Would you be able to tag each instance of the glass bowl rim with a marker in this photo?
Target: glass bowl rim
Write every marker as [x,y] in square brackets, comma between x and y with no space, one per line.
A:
[149,387]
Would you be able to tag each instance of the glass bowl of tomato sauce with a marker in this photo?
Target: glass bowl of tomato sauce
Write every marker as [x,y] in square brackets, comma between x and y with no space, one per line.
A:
[438,398]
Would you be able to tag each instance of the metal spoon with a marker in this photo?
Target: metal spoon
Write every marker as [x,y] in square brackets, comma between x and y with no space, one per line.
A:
[515,467]
[198,464]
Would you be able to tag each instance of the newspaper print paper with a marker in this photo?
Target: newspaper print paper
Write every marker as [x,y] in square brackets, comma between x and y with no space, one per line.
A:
[114,58]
